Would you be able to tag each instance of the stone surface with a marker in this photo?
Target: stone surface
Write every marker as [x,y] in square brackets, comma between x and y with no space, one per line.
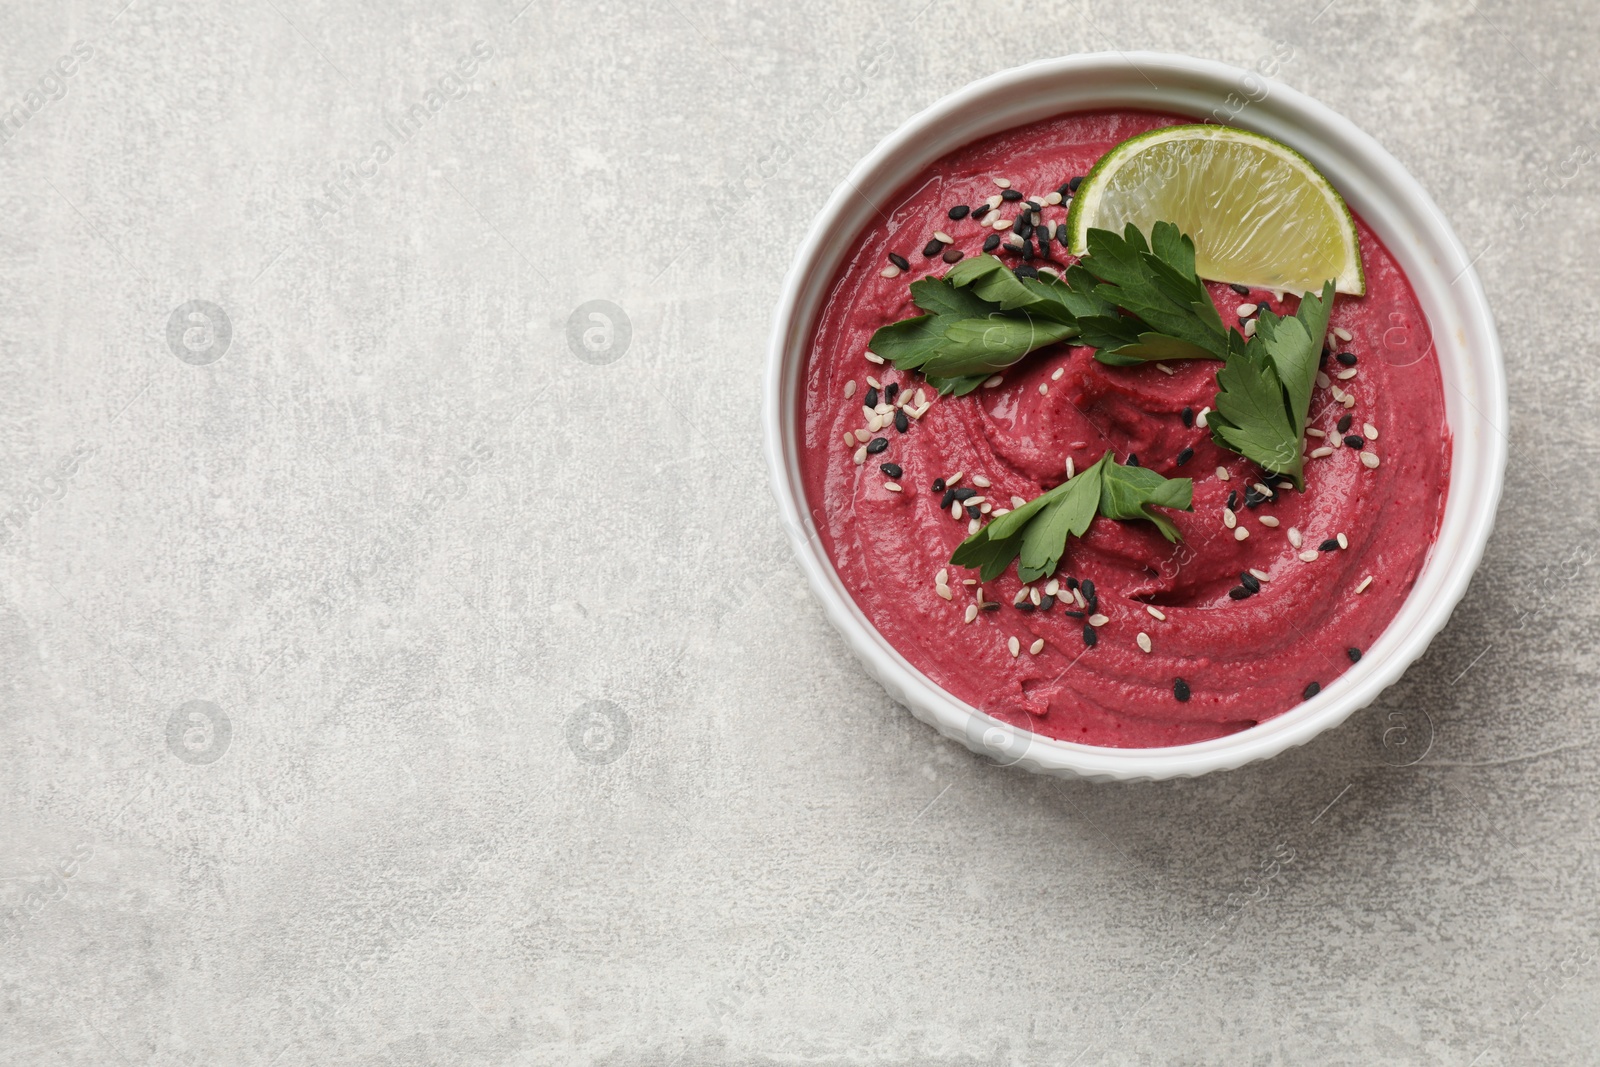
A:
[423,678]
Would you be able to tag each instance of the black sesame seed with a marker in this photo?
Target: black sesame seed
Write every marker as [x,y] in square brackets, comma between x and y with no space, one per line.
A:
[1025,605]
[1133,460]
[1180,689]
[933,248]
[972,511]
[1089,636]
[901,421]
[1072,186]
[1065,190]
[876,445]
[1238,592]
[948,498]
[1344,423]
[1330,545]
[991,605]
[991,242]
[1354,440]
[891,391]
[891,469]
[1347,358]
[1010,194]
[1047,602]
[900,261]
[1250,581]
[871,399]
[1312,690]
[963,494]
[1023,229]
[953,255]
[938,487]
[1188,417]
[1025,271]
[1076,614]
[1233,499]
[1252,498]
[1185,456]
[960,211]
[1242,290]
[1027,250]
[1087,585]
[1354,654]
[1072,583]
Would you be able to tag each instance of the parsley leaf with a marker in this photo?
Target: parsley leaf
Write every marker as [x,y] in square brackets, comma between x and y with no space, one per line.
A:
[981,319]
[1172,316]
[1035,535]
[1264,389]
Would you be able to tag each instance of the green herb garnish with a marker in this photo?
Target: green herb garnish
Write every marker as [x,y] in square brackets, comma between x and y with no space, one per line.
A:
[1035,535]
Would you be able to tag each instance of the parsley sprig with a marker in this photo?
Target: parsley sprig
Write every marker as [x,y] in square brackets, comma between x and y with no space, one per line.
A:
[1035,535]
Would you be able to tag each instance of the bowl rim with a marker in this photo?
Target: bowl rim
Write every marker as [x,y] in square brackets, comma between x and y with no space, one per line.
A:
[1399,210]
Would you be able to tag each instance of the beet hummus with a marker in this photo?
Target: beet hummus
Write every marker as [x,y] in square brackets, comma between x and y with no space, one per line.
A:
[1332,563]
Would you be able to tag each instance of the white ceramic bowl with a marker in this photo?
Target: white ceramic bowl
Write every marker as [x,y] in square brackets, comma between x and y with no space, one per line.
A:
[1379,189]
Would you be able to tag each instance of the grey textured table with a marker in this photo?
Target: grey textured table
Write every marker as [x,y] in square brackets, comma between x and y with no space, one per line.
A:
[403,666]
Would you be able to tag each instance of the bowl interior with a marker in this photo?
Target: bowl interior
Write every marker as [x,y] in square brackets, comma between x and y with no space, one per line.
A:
[1376,186]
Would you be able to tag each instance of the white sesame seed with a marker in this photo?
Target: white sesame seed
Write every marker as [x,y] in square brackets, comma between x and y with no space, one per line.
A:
[893,487]
[1346,375]
[1250,328]
[1370,460]
[980,481]
[985,507]
[875,422]
[1070,471]
[1222,474]
[1077,595]
[955,510]
[861,455]
[1017,501]
[993,381]
[1348,400]
[1002,224]
[884,409]
[1342,334]
[995,201]
[1246,310]
[1052,587]
[874,382]
[1323,381]
[1015,646]
[1053,199]
[1295,539]
[1004,183]
[891,271]
[942,578]
[1261,576]
[1022,594]
[1144,641]
[920,410]
[1155,612]
[1241,534]
[1037,647]
[1200,419]
[989,218]
[873,357]
[867,413]
[940,235]
[1051,271]
[1098,620]
[1229,519]
[1318,453]
[1270,521]
[973,527]
[1370,431]
[1261,488]
[1362,588]
[1164,369]
[974,501]
[1044,389]
[849,439]
[1285,484]
[954,480]
[1344,542]
[1308,556]
[920,399]
[969,581]
[850,389]
[944,591]
[972,612]
[1312,432]
[1035,596]
[1001,511]
[863,436]
[1056,377]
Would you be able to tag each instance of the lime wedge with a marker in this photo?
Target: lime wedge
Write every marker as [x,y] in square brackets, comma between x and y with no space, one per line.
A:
[1259,212]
